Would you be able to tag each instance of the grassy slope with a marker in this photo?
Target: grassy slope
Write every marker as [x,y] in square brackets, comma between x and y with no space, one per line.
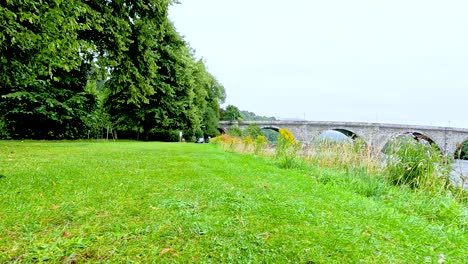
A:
[109,202]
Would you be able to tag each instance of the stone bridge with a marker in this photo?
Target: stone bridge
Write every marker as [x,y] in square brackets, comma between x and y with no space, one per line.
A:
[376,135]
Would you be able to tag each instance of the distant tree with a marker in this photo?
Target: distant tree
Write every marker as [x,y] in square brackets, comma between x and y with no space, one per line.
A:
[231,113]
[250,116]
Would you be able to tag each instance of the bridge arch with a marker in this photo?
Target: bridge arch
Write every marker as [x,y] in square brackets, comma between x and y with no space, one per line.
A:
[274,128]
[271,133]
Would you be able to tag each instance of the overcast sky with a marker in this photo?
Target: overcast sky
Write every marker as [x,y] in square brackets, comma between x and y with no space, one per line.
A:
[392,61]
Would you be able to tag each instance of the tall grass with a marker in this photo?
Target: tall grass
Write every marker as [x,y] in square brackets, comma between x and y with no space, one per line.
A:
[343,155]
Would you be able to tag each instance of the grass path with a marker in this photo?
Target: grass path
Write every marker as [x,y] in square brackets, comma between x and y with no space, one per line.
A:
[183,203]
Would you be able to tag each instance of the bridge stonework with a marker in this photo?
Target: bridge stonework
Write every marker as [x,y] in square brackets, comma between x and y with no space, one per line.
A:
[376,135]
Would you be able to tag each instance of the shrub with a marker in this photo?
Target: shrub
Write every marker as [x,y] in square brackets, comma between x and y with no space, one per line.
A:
[417,165]
[235,131]
[253,130]
[287,149]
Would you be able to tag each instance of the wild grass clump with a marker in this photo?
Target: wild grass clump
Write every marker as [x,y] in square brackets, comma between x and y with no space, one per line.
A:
[417,165]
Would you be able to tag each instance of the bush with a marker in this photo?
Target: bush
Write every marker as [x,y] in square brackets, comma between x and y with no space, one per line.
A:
[253,130]
[417,165]
[235,131]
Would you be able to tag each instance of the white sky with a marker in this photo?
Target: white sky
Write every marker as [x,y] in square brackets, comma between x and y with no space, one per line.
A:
[389,61]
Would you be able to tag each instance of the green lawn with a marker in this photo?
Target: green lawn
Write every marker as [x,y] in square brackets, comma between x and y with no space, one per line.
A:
[183,203]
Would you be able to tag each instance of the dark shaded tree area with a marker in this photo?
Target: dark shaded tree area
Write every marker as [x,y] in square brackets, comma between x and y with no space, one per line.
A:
[69,67]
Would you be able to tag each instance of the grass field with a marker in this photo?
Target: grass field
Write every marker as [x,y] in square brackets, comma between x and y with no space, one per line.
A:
[141,202]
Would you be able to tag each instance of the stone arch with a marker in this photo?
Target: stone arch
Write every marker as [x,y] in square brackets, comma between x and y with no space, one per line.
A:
[346,132]
[221,130]
[418,136]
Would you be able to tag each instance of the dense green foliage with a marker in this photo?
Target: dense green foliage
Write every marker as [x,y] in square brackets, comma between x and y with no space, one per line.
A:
[113,202]
[42,73]
[69,67]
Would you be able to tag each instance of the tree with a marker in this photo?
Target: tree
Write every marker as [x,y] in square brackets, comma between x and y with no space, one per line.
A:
[179,85]
[231,113]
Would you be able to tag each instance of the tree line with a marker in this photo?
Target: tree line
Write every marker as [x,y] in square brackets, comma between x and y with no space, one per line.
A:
[68,69]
